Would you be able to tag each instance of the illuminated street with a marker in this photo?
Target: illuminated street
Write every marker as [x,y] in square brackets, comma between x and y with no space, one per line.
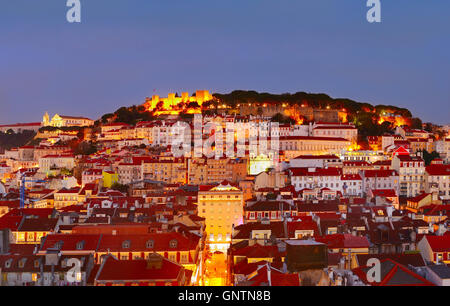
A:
[216,270]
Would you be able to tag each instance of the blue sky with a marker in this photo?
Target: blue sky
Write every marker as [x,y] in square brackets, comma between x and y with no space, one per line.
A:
[125,50]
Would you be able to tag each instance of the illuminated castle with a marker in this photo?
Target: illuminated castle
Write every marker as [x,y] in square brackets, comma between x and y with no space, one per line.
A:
[172,100]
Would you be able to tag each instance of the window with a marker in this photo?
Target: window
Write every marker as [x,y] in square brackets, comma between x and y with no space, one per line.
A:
[173,257]
[150,244]
[80,245]
[126,244]
[173,243]
[58,245]
[22,262]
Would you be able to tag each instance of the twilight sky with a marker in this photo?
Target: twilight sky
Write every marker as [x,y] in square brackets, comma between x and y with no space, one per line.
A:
[125,50]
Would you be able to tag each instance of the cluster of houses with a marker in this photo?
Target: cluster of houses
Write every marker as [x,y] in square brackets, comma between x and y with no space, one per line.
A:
[132,213]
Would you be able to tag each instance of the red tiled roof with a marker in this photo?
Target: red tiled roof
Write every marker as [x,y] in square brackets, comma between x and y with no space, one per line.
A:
[259,251]
[69,242]
[436,169]
[317,157]
[439,243]
[380,173]
[341,241]
[317,172]
[137,270]
[21,124]
[384,193]
[393,274]
[419,198]
[277,278]
[414,259]
[336,127]
[11,222]
[161,242]
[351,177]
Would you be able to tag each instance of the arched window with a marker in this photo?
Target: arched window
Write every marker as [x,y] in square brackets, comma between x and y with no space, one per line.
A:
[8,263]
[58,245]
[80,245]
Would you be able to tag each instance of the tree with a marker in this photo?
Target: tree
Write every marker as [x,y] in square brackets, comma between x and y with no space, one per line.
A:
[120,187]
[282,119]
[429,157]
[67,172]
[85,148]
[10,139]
[416,123]
[105,118]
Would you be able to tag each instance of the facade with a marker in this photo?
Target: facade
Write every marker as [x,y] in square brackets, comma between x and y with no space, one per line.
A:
[169,170]
[20,127]
[411,171]
[65,121]
[54,162]
[435,249]
[301,145]
[66,197]
[339,131]
[129,172]
[91,175]
[311,178]
[222,207]
[437,180]
[109,178]
[380,179]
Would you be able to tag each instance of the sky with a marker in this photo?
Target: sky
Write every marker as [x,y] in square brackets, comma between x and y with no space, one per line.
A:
[126,50]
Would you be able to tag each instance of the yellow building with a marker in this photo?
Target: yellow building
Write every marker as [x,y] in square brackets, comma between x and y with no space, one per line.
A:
[66,197]
[169,170]
[222,207]
[210,170]
[110,178]
[63,121]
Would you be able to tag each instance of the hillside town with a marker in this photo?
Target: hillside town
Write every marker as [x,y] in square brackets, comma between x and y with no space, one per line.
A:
[248,201]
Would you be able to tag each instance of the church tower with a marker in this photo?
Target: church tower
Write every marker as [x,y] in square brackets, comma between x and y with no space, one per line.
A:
[46,119]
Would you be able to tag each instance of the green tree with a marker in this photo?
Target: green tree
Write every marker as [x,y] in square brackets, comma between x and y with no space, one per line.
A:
[416,123]
[120,187]
[429,157]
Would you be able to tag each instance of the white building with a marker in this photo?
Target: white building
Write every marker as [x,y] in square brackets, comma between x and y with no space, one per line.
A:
[437,179]
[411,171]
[379,179]
[52,162]
[315,161]
[311,178]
